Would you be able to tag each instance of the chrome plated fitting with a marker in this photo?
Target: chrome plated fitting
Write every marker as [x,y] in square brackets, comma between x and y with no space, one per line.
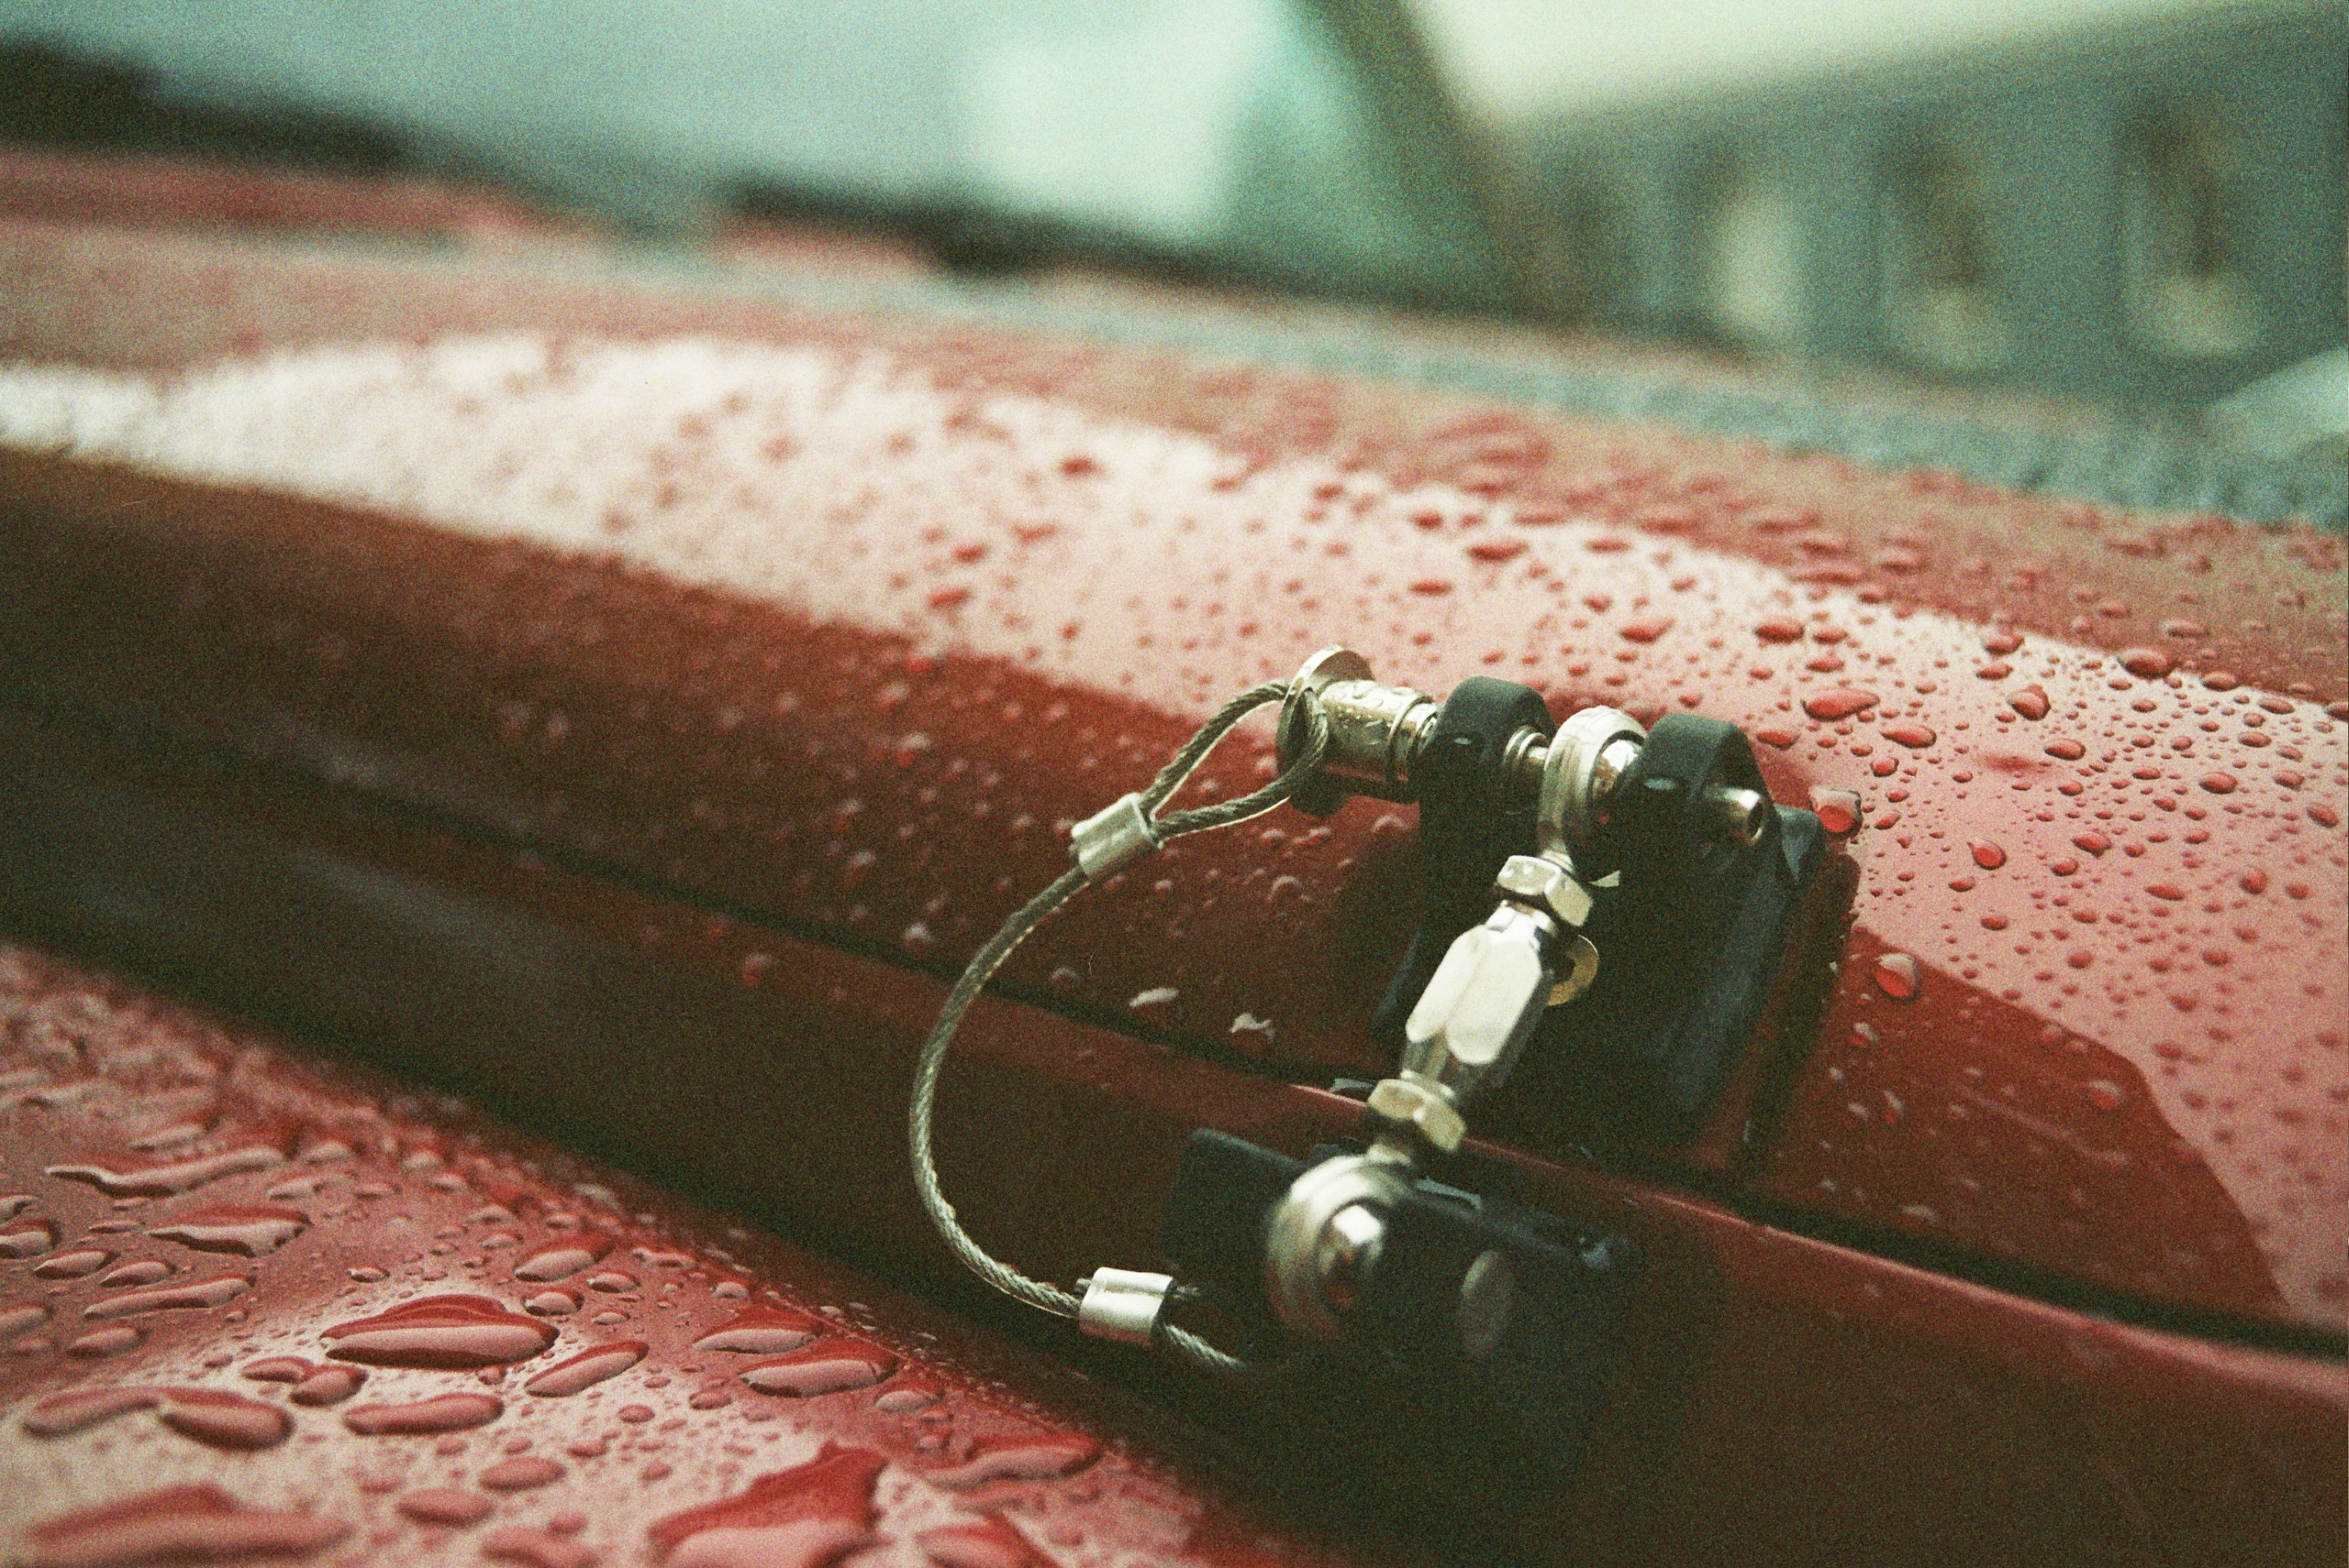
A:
[1486,999]
[1323,1239]
[1579,769]
[1376,732]
[1420,1108]
[1123,1304]
[1112,838]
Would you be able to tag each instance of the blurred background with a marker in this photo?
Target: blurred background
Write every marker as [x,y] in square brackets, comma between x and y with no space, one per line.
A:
[2136,203]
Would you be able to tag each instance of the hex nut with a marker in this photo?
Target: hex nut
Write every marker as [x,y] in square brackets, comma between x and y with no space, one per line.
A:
[1401,1102]
[1536,879]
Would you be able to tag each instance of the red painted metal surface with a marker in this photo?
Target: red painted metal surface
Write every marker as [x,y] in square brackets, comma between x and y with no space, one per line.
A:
[841,623]
[257,1306]
[1782,1399]
[835,624]
[138,191]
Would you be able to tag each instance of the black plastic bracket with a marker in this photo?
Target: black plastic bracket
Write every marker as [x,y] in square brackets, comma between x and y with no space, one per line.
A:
[1694,938]
[1692,935]
[1527,1399]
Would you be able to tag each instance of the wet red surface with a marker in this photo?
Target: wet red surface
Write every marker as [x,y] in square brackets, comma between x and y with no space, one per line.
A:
[193,1441]
[1784,1399]
[841,769]
[837,623]
[138,191]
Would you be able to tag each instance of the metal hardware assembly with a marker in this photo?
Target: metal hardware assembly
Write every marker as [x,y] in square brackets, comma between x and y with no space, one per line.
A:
[1624,890]
[1527,828]
[1123,1304]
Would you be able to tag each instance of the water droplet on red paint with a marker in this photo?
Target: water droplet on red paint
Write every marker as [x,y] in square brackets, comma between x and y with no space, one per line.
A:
[28,1238]
[2218,783]
[1496,550]
[1018,1456]
[1917,737]
[2104,1094]
[73,1264]
[907,1395]
[2002,641]
[442,1413]
[1780,628]
[327,1385]
[586,1370]
[612,1282]
[830,1365]
[801,1518]
[521,1473]
[553,1302]
[2147,663]
[2066,751]
[2167,892]
[177,1523]
[2183,630]
[563,1259]
[165,1181]
[224,1420]
[988,1543]
[2253,881]
[1864,1036]
[1837,702]
[1431,586]
[62,1415]
[110,1341]
[2222,680]
[445,1505]
[1838,809]
[277,1370]
[535,1548]
[144,1271]
[1646,630]
[253,1230]
[1987,856]
[1776,736]
[2091,843]
[217,1290]
[1898,976]
[763,1330]
[21,1318]
[2030,702]
[445,1332]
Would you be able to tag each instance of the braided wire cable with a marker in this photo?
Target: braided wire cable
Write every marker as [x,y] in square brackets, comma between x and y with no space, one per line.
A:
[999,947]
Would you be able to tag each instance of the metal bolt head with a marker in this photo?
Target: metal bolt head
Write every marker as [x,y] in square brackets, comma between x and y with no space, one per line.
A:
[1738,813]
[1488,1293]
[1306,1243]
[1542,882]
[1346,1254]
[1420,1109]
